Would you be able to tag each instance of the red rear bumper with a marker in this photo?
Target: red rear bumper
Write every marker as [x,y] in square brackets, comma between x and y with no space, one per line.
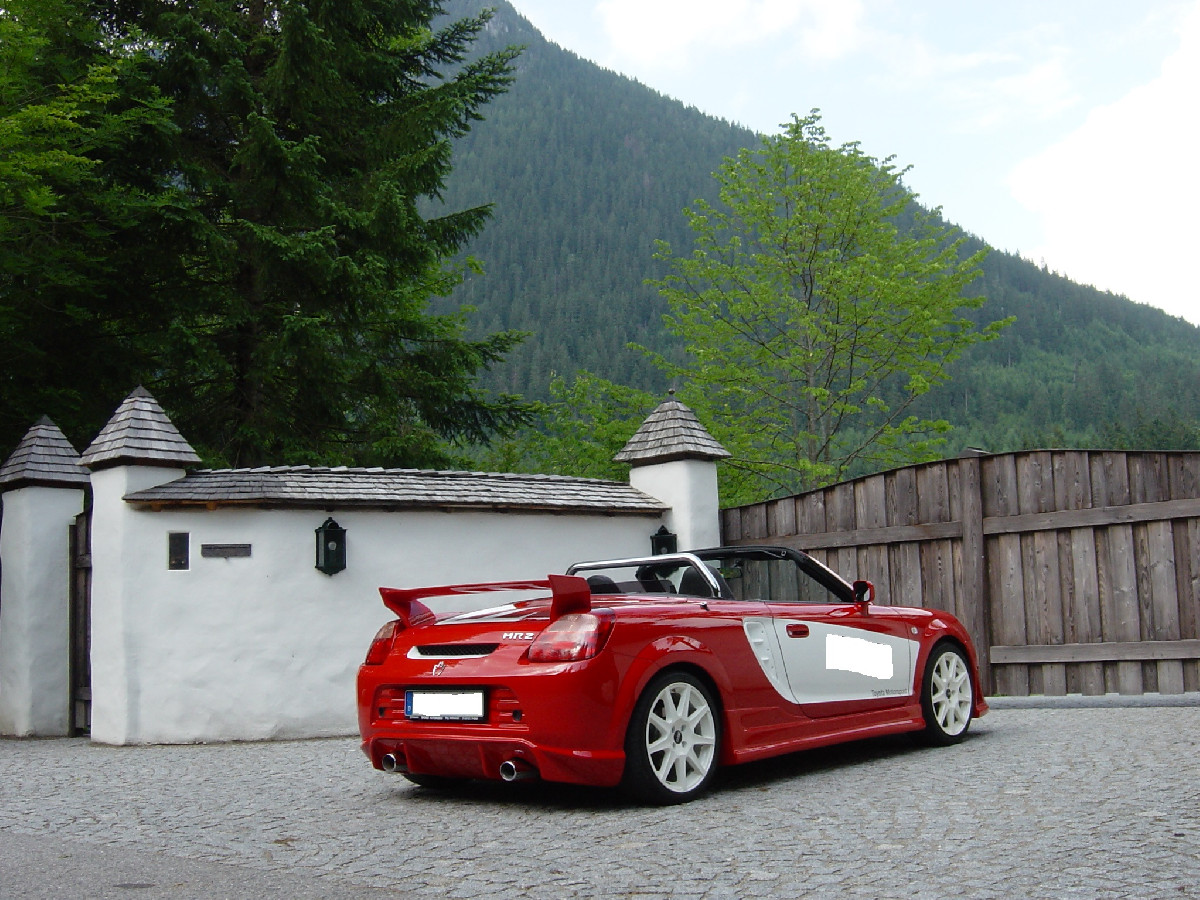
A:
[471,756]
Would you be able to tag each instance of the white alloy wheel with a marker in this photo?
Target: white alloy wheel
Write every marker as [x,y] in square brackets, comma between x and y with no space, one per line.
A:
[948,695]
[680,737]
[673,740]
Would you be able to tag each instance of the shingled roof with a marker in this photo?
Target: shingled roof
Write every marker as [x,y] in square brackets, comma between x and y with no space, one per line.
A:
[44,457]
[324,488]
[139,434]
[671,432]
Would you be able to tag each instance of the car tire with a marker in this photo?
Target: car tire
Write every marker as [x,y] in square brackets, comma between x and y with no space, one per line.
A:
[947,695]
[672,746]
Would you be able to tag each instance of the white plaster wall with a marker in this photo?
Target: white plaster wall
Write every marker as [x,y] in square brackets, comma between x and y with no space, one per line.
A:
[689,488]
[267,646]
[35,624]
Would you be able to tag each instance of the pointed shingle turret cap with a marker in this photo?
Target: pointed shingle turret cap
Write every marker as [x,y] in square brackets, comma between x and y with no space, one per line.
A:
[44,457]
[139,434]
[671,432]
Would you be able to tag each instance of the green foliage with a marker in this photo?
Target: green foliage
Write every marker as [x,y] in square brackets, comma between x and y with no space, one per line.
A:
[583,426]
[77,121]
[812,322]
[283,269]
[1167,431]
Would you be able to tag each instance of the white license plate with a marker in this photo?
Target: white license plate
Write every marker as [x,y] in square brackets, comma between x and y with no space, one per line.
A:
[447,706]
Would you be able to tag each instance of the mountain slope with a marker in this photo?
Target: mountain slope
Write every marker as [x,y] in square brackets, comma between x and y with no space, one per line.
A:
[586,169]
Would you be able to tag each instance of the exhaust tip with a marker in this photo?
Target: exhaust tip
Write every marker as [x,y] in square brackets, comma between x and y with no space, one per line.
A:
[392,763]
[517,770]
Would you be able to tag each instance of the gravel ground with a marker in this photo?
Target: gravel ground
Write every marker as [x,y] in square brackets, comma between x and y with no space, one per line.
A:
[1088,800]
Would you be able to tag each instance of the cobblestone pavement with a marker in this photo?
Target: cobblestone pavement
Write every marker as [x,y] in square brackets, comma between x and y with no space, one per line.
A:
[1037,803]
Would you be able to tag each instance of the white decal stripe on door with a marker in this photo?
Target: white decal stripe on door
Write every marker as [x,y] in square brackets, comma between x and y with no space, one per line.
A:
[842,663]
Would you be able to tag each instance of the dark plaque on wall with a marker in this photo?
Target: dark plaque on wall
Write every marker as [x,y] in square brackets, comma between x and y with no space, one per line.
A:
[224,551]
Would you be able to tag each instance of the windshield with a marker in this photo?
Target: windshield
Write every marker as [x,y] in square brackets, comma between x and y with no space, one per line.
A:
[764,574]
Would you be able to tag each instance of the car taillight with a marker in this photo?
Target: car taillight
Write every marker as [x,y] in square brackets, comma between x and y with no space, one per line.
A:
[573,637]
[382,645]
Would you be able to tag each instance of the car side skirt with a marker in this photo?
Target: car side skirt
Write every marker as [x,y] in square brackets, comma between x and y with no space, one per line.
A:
[840,729]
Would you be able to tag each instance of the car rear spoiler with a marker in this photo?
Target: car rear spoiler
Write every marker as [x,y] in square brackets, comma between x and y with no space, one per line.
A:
[569,593]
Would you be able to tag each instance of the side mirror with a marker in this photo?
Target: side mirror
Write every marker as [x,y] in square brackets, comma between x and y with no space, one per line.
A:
[864,593]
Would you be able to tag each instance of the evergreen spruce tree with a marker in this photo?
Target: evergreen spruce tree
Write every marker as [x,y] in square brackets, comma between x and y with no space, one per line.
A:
[291,281]
[81,211]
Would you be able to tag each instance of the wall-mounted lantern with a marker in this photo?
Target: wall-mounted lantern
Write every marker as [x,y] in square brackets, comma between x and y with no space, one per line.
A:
[331,547]
[663,541]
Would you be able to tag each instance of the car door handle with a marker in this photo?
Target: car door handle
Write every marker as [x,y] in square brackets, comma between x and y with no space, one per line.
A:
[797,630]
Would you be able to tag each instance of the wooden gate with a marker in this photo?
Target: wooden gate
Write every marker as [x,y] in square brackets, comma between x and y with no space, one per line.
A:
[81,618]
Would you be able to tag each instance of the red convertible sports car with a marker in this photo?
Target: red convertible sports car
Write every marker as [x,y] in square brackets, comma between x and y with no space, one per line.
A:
[650,673]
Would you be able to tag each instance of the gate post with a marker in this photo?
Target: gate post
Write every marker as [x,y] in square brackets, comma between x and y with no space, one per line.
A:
[137,449]
[674,460]
[43,487]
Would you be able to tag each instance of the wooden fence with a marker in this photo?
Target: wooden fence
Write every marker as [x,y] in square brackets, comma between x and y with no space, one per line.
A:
[1075,571]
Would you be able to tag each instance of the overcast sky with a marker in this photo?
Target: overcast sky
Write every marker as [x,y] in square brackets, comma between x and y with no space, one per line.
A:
[1067,131]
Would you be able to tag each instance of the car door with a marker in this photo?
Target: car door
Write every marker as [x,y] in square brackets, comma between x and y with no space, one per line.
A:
[839,657]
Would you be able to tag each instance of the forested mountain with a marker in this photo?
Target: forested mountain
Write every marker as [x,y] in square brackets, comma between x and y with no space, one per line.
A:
[586,169]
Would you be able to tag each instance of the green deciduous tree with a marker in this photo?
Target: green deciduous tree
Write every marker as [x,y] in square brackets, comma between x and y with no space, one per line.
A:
[288,278]
[818,303]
